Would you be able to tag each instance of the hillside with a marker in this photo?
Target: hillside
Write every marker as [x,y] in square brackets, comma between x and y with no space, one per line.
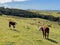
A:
[26,32]
[52,16]
[55,13]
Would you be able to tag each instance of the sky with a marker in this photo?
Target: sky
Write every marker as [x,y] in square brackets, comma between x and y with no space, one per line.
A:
[31,4]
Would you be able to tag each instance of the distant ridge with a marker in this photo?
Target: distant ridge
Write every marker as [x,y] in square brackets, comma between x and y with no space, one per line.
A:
[45,10]
[52,10]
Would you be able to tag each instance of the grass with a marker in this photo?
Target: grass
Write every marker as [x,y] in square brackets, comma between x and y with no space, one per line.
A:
[55,14]
[27,33]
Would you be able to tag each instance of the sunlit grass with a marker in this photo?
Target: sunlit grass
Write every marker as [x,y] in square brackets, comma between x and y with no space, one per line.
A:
[27,32]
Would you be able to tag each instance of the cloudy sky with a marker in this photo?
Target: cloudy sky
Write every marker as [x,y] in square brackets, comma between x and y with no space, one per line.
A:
[32,4]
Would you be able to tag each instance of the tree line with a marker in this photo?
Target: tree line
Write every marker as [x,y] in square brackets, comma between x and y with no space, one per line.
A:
[27,14]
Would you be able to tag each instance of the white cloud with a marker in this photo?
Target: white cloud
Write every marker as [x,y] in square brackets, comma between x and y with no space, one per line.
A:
[5,1]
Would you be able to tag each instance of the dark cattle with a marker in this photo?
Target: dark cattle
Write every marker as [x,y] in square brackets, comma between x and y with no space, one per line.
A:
[45,31]
[11,23]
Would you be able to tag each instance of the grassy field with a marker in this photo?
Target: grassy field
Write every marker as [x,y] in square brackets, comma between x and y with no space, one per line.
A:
[55,14]
[26,31]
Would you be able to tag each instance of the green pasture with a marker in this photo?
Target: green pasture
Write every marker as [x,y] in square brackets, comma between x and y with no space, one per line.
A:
[26,31]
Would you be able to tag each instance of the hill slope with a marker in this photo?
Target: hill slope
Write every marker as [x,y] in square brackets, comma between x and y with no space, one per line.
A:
[52,16]
[26,32]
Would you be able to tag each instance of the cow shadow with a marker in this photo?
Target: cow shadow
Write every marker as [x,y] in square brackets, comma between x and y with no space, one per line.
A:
[15,30]
[51,40]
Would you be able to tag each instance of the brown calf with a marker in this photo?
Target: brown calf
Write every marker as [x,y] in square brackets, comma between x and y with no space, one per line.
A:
[45,31]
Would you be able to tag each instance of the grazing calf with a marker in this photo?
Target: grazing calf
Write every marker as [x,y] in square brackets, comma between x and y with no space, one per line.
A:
[11,23]
[45,31]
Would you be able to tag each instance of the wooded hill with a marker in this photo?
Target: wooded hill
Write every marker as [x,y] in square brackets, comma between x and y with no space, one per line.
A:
[27,14]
